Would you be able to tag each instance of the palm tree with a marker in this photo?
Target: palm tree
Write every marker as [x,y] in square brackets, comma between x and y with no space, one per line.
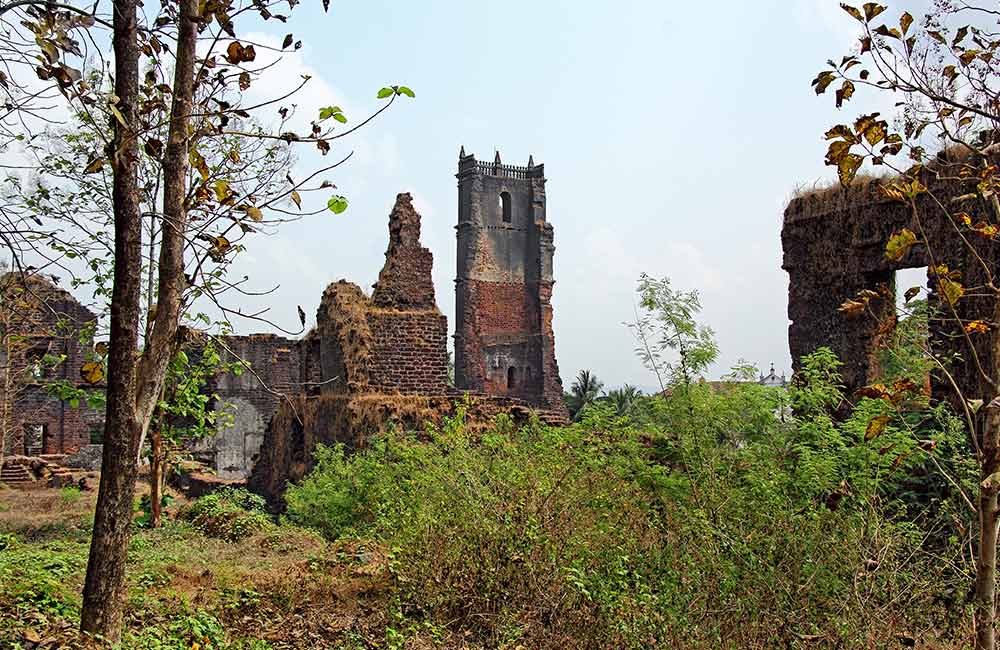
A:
[584,391]
[624,398]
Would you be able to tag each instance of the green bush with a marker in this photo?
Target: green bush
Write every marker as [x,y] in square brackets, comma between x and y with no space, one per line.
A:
[707,518]
[229,514]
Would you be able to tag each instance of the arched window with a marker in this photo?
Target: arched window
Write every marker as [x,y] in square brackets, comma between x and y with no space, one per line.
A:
[511,378]
[505,206]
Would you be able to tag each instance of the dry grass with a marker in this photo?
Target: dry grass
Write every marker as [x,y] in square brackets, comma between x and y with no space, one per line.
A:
[824,189]
[45,513]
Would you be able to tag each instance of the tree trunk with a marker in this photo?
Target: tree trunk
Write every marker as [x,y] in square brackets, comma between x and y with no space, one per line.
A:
[986,564]
[155,478]
[171,281]
[103,592]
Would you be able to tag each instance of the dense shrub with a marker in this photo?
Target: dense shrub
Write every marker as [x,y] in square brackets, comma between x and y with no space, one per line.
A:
[228,513]
[709,518]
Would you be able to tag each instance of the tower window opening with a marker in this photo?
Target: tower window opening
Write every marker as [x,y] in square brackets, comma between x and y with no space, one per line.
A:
[505,206]
[511,378]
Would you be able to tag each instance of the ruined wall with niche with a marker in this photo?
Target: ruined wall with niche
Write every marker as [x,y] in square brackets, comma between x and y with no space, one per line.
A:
[248,402]
[383,364]
[377,361]
[834,246]
[504,342]
[51,322]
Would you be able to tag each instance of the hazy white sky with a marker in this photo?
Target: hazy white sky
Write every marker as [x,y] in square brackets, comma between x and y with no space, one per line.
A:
[673,133]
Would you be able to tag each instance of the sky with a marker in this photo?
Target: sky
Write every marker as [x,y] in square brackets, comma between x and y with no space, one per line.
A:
[672,133]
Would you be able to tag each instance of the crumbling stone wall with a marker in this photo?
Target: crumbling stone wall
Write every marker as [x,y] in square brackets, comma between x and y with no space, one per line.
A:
[395,341]
[51,321]
[504,342]
[248,402]
[352,419]
[382,360]
[383,363]
[834,247]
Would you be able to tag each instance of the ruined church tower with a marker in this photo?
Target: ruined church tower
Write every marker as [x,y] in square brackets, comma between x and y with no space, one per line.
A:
[504,344]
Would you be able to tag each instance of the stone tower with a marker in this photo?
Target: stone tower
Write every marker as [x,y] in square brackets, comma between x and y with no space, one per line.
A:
[504,343]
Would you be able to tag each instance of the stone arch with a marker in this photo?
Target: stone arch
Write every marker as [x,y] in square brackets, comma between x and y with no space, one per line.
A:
[505,207]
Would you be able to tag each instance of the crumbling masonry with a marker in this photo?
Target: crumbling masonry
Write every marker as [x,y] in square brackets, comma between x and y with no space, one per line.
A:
[375,362]
[41,327]
[381,361]
[834,247]
[504,344]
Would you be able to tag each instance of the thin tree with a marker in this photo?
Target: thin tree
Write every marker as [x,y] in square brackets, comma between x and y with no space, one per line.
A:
[669,340]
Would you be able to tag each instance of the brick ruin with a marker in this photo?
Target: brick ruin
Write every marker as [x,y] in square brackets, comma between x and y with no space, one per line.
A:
[504,344]
[382,362]
[377,361]
[45,323]
[834,246]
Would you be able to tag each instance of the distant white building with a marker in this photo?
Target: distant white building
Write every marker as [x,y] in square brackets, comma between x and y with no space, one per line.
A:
[772,379]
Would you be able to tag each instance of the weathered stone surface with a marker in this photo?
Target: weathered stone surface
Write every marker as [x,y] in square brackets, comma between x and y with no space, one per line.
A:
[352,419]
[383,363]
[41,424]
[405,281]
[87,457]
[372,362]
[834,247]
[504,342]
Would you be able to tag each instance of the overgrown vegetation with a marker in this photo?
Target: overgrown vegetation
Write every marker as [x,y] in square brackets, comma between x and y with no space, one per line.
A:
[703,520]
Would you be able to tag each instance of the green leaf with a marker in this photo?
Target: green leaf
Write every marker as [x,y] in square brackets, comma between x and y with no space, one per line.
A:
[337,204]
[404,90]
[340,118]
[329,111]
[386,92]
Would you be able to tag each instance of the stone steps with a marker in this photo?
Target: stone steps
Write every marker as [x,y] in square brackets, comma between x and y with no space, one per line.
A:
[16,475]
